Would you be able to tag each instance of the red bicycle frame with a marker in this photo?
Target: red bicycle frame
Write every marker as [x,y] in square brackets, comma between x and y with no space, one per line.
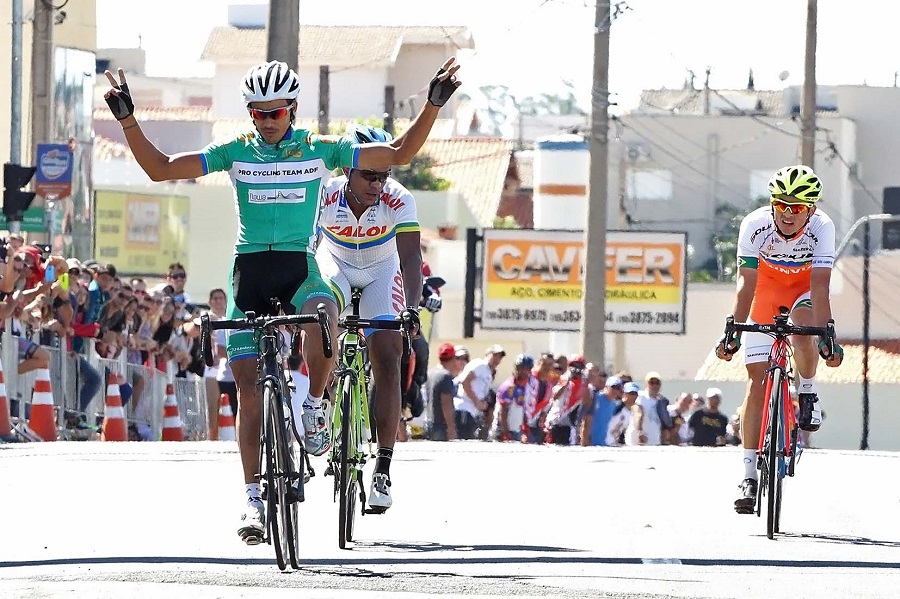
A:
[778,360]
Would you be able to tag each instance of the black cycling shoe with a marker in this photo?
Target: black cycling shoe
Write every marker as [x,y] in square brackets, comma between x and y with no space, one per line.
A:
[746,501]
[810,415]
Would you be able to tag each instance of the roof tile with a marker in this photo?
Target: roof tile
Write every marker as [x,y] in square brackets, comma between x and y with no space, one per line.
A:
[884,365]
[161,113]
[476,167]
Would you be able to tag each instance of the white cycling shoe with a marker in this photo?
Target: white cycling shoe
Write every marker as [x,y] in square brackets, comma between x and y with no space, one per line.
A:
[317,437]
[252,528]
[380,492]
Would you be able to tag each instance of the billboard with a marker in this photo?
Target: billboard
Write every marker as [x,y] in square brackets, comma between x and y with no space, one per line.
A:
[53,178]
[534,280]
[141,233]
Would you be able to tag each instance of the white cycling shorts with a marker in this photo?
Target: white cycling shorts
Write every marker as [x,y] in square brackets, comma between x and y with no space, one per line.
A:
[757,346]
[382,296]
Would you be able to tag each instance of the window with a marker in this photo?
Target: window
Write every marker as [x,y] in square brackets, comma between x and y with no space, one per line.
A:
[649,184]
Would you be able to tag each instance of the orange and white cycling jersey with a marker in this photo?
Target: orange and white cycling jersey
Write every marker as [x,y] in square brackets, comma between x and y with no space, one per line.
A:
[785,266]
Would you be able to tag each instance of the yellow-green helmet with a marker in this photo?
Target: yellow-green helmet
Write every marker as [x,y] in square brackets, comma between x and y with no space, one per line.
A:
[797,181]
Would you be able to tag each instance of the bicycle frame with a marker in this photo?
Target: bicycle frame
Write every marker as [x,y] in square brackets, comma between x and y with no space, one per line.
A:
[778,370]
[351,371]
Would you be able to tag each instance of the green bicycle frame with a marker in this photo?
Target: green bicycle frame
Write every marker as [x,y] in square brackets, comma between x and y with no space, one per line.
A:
[358,419]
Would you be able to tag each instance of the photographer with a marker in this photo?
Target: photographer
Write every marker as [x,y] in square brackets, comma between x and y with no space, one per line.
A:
[571,392]
[473,390]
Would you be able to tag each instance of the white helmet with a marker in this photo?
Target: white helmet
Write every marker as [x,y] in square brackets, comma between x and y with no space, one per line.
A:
[270,81]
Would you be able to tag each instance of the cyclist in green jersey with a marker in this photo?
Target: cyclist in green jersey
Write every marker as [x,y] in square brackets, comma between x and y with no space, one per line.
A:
[277,172]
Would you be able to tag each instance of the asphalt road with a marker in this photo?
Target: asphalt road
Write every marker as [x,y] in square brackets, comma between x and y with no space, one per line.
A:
[150,520]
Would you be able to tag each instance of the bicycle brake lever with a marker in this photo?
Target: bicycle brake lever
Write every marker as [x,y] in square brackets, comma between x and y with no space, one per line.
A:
[326,330]
[205,341]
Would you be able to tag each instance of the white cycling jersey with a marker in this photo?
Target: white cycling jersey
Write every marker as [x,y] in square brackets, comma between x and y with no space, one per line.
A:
[371,239]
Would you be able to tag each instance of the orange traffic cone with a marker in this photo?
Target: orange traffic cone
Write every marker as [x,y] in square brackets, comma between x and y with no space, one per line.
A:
[5,423]
[42,421]
[114,427]
[172,430]
[226,420]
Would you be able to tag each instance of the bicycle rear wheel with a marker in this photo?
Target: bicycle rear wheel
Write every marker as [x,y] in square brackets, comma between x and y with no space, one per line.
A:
[286,506]
[347,500]
[772,461]
[271,479]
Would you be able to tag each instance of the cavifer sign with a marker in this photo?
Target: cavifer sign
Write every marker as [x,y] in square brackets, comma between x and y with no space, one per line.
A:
[534,280]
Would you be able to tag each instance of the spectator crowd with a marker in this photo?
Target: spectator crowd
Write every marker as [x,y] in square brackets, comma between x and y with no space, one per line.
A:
[79,307]
[566,401]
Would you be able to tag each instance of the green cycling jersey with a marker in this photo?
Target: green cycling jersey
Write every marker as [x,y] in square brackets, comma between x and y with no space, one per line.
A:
[277,186]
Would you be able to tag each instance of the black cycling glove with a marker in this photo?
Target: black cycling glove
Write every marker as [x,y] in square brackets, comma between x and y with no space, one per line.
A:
[120,103]
[440,91]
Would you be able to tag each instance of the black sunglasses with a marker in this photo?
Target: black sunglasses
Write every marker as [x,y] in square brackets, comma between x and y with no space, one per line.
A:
[177,275]
[372,176]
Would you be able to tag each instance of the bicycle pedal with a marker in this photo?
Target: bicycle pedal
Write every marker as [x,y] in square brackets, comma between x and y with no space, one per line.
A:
[329,471]
[375,510]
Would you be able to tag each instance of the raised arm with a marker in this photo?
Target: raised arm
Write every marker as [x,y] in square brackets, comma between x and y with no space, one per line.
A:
[158,165]
[406,145]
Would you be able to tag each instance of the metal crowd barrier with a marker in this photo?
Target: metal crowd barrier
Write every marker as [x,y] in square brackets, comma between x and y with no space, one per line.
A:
[144,409]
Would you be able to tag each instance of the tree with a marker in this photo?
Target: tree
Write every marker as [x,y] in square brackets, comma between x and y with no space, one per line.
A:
[723,265]
[418,175]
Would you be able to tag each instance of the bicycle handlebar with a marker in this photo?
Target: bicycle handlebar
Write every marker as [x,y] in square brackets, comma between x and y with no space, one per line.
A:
[778,329]
[401,322]
[253,323]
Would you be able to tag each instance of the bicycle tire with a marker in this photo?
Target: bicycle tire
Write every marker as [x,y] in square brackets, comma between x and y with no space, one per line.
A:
[287,510]
[268,447]
[347,476]
[774,497]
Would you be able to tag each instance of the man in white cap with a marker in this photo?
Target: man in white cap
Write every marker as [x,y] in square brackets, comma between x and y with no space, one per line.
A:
[621,418]
[473,392]
[709,425]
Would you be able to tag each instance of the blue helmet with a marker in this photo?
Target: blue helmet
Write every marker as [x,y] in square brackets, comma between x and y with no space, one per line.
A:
[524,360]
[363,134]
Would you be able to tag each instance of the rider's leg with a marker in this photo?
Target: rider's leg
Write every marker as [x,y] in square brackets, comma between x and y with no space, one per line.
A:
[756,359]
[248,424]
[806,358]
[317,436]
[385,350]
[249,415]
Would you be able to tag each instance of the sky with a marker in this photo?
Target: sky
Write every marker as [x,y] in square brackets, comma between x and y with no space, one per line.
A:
[535,46]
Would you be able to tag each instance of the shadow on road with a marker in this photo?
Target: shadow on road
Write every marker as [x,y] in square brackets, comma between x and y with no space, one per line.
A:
[453,560]
[426,546]
[841,539]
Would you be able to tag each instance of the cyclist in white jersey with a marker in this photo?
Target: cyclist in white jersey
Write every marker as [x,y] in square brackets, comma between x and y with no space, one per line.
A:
[370,240]
[784,258]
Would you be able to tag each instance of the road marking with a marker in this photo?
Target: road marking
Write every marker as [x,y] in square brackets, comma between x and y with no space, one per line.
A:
[661,560]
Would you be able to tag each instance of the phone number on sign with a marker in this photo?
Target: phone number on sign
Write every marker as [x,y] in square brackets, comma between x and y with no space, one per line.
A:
[649,317]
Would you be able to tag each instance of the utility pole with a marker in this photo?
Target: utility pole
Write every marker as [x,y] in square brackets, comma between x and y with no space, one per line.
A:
[593,303]
[324,99]
[42,75]
[390,107]
[706,106]
[284,32]
[619,339]
[15,99]
[864,441]
[808,108]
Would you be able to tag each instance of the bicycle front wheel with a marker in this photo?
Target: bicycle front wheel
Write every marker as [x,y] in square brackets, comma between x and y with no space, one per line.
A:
[347,500]
[773,472]
[287,504]
[270,476]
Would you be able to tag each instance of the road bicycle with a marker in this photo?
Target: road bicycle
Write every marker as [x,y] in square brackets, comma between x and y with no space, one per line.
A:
[281,470]
[778,450]
[351,425]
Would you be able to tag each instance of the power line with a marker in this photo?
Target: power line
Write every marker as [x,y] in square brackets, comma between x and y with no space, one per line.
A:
[681,161]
